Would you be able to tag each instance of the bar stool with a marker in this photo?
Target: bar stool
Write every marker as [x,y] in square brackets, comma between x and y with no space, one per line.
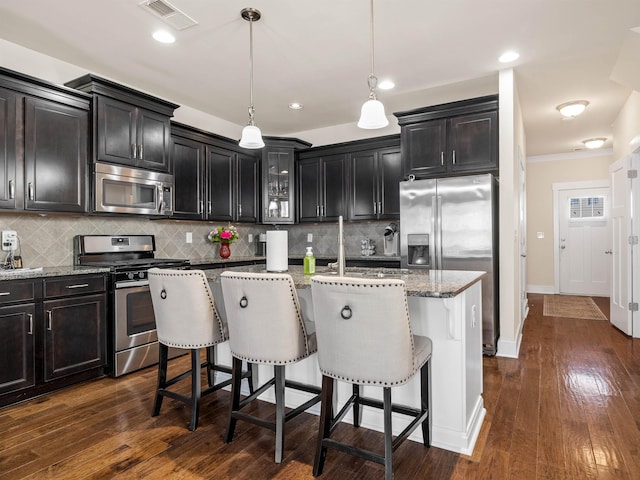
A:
[365,338]
[186,318]
[266,327]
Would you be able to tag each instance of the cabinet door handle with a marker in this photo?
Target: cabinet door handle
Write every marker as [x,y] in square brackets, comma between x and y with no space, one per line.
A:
[209,202]
[453,156]
[78,285]
[317,210]
[201,207]
[140,151]
[322,210]
[379,208]
[4,294]
[12,189]
[30,190]
[134,151]
[442,159]
[239,210]
[30,332]
[49,320]
[375,208]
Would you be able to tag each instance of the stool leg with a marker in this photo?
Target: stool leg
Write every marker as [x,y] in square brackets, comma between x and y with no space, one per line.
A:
[211,361]
[279,390]
[234,404]
[195,388]
[357,407]
[388,437]
[425,401]
[162,378]
[324,429]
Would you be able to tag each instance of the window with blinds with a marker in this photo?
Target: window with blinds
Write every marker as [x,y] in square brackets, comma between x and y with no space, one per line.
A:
[586,208]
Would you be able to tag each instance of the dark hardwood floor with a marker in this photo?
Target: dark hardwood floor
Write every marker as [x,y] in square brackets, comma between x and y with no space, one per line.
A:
[568,408]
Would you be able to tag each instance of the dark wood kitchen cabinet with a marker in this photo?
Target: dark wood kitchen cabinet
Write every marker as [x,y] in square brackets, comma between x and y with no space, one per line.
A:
[279,180]
[322,187]
[17,336]
[374,192]
[232,183]
[52,334]
[75,325]
[212,179]
[129,127]
[454,138]
[44,131]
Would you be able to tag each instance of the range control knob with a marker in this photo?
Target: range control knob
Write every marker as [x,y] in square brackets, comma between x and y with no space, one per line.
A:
[130,275]
[141,274]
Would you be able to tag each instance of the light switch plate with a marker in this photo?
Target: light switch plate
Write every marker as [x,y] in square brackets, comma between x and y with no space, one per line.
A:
[540,234]
[189,237]
[309,237]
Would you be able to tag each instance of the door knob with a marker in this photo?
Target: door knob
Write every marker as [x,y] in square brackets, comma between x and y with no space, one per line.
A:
[608,252]
[562,247]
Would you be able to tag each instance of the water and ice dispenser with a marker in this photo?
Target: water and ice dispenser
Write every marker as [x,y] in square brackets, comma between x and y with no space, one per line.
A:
[418,250]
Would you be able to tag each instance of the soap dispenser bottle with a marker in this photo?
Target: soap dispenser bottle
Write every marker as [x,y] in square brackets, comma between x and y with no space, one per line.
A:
[309,262]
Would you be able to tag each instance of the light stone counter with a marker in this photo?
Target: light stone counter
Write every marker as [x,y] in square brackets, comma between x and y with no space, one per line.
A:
[29,273]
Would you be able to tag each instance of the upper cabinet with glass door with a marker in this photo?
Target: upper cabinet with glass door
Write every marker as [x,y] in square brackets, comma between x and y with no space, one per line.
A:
[278,179]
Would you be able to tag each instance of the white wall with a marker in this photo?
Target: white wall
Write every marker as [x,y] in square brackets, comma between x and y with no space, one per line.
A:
[512,139]
[626,126]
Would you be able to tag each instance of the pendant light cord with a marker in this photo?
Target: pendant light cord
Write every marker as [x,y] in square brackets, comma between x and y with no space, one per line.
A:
[251,109]
[372,80]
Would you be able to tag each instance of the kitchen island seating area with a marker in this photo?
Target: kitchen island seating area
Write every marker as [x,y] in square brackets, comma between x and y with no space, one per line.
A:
[365,339]
[266,327]
[186,318]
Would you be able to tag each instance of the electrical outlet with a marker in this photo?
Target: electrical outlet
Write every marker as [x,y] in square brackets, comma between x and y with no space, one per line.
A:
[9,240]
[250,238]
[189,238]
[309,237]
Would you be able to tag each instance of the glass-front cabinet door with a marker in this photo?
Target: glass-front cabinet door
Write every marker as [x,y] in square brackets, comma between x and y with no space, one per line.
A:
[278,184]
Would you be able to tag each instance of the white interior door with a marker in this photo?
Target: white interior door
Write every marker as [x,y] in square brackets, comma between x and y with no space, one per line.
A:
[583,241]
[620,230]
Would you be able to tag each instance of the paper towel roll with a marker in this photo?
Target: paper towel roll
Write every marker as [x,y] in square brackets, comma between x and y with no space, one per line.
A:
[277,251]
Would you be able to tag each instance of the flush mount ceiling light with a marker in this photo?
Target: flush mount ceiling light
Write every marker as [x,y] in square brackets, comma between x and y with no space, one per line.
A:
[508,57]
[295,106]
[372,114]
[386,84]
[251,135]
[594,142]
[163,36]
[572,109]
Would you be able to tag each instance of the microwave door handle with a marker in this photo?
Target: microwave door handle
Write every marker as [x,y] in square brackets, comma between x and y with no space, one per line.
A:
[160,199]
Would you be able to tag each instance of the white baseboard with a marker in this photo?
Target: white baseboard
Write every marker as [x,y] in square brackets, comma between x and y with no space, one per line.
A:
[509,349]
[547,289]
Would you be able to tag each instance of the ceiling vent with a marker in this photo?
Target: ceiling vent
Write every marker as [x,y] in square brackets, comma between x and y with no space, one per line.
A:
[169,14]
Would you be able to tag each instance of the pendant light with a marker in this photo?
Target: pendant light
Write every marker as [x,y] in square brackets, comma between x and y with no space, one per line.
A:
[251,135]
[372,114]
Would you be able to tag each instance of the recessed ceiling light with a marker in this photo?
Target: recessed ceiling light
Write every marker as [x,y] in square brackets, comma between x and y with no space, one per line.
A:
[163,36]
[508,57]
[594,142]
[295,106]
[572,109]
[386,84]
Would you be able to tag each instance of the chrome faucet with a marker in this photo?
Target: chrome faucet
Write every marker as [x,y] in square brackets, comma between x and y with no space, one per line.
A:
[341,260]
[339,264]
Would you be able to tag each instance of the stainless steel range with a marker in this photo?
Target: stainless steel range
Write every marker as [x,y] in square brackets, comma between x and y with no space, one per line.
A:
[132,341]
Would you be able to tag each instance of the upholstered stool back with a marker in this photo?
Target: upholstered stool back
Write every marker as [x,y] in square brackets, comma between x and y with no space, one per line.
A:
[185,310]
[264,318]
[364,332]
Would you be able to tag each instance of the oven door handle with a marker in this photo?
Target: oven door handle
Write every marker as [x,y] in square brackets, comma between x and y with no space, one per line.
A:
[129,283]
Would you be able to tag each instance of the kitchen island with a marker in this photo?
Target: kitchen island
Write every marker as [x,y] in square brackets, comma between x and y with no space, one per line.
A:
[445,306]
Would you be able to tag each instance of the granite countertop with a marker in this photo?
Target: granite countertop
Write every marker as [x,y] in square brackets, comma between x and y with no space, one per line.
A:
[420,283]
[255,258]
[26,273]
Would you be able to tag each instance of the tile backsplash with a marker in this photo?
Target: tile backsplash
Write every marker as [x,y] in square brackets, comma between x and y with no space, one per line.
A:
[47,240]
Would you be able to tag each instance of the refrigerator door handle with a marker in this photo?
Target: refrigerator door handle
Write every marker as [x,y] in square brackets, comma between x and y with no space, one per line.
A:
[433,248]
[439,230]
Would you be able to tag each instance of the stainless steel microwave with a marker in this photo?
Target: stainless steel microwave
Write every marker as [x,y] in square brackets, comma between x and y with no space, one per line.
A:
[121,189]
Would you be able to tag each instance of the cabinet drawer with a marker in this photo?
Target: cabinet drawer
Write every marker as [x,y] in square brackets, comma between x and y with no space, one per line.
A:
[76,285]
[17,292]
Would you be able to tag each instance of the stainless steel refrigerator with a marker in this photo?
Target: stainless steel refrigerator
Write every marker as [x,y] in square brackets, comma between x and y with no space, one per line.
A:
[452,224]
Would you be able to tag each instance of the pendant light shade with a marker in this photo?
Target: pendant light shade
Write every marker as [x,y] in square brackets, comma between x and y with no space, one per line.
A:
[251,135]
[372,114]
